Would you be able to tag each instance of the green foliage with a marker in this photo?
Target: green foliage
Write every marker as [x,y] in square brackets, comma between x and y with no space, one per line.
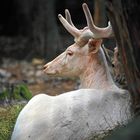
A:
[22,92]
[16,92]
[8,117]
[4,95]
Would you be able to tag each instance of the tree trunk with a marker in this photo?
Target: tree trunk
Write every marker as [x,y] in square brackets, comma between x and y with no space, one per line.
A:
[52,41]
[45,31]
[125,19]
[40,26]
[99,13]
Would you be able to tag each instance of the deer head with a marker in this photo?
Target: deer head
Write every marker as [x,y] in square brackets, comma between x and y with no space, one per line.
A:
[77,57]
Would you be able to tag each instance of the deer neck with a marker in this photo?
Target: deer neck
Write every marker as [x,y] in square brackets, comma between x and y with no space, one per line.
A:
[97,75]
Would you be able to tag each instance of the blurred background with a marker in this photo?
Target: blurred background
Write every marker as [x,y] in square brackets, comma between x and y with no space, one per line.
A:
[30,28]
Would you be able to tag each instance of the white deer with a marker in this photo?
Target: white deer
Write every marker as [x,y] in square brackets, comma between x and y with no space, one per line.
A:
[83,113]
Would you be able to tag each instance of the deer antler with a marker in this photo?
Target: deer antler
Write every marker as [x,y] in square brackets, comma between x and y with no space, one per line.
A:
[67,23]
[91,31]
[68,17]
[97,32]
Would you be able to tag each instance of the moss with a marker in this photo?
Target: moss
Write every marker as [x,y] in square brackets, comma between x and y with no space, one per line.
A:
[8,117]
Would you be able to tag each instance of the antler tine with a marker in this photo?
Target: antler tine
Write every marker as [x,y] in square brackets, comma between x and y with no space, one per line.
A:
[68,17]
[71,29]
[98,32]
[109,30]
[90,22]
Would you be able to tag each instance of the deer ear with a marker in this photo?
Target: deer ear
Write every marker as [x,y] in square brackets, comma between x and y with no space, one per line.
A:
[94,45]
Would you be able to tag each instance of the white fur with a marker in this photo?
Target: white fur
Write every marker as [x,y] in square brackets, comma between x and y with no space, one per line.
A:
[76,115]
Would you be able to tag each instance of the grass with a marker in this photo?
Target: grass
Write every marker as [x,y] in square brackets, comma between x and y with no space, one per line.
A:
[8,117]
[11,98]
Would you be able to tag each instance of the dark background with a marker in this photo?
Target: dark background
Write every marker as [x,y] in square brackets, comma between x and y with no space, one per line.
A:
[30,28]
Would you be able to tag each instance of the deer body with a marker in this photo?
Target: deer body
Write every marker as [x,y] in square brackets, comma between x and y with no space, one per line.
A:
[77,115]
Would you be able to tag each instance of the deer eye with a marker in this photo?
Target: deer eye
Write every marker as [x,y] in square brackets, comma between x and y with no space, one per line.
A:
[70,53]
